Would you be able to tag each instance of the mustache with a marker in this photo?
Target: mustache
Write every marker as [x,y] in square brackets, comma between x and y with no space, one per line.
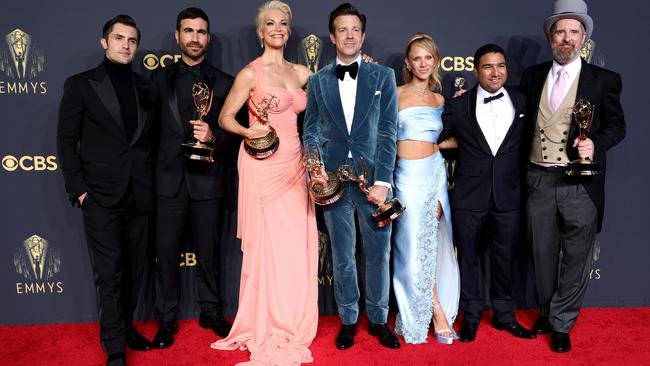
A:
[190,44]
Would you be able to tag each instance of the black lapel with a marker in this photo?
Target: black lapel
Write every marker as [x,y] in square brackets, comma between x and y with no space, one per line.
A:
[518,107]
[172,99]
[141,92]
[471,111]
[106,93]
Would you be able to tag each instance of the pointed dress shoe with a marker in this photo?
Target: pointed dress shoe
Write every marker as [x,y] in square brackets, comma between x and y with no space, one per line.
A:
[515,329]
[386,337]
[468,332]
[542,325]
[218,325]
[560,342]
[164,337]
[345,338]
[136,341]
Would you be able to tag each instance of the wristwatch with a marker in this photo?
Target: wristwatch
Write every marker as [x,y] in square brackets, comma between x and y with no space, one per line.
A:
[211,140]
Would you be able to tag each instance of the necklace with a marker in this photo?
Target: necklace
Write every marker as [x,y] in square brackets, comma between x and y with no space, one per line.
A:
[423,91]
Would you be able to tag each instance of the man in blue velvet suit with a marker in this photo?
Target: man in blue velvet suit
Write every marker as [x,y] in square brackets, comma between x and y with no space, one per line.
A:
[352,114]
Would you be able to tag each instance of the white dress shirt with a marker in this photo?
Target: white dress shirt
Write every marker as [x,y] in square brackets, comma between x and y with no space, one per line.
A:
[348,94]
[494,117]
[572,72]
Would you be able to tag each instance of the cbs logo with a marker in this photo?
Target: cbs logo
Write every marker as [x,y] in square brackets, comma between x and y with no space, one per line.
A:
[152,61]
[29,163]
[456,63]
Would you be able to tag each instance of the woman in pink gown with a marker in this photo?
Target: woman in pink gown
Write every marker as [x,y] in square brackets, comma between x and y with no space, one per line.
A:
[278,296]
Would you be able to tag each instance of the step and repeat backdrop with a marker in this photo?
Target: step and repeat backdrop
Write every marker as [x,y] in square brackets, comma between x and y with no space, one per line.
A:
[45,274]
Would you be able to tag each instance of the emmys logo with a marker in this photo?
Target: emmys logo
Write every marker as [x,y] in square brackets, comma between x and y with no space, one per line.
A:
[325,267]
[311,50]
[21,60]
[28,163]
[38,263]
[457,63]
[152,61]
[588,53]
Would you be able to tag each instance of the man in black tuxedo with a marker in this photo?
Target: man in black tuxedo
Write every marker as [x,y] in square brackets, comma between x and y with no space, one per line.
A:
[105,138]
[487,122]
[565,213]
[187,187]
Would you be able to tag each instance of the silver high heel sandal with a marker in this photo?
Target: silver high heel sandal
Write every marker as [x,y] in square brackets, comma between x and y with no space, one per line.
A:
[440,334]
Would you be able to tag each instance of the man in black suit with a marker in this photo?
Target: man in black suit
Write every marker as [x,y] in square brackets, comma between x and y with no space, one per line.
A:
[105,139]
[487,123]
[565,213]
[187,187]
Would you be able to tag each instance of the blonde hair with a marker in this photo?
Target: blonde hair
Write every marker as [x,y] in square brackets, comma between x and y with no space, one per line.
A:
[271,5]
[427,43]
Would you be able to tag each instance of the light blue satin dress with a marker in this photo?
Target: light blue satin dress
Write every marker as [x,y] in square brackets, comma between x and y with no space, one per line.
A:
[423,251]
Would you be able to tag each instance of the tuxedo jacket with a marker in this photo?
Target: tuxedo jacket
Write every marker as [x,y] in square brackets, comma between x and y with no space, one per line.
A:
[374,127]
[480,175]
[95,152]
[203,180]
[602,88]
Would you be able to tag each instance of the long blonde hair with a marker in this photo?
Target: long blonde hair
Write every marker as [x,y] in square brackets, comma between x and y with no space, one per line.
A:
[426,42]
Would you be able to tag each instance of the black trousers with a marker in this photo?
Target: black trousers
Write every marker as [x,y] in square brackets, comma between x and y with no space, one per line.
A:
[205,218]
[562,225]
[475,232]
[117,242]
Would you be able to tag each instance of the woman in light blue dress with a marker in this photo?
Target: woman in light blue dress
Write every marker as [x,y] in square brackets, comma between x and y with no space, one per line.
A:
[426,279]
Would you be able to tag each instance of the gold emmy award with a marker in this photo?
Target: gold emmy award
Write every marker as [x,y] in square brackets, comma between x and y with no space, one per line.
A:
[387,211]
[325,194]
[582,113]
[196,150]
[265,146]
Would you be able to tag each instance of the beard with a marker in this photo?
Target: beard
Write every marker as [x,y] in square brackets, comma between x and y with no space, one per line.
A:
[186,50]
[564,56]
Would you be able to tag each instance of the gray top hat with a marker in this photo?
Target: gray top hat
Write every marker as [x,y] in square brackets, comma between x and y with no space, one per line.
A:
[569,9]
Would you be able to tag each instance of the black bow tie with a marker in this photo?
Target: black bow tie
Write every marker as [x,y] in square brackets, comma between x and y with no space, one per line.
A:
[194,70]
[494,97]
[351,69]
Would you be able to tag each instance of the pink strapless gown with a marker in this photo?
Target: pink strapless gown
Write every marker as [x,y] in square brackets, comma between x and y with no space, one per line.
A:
[278,295]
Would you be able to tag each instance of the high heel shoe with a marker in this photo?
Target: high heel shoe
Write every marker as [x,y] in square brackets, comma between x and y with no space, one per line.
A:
[440,334]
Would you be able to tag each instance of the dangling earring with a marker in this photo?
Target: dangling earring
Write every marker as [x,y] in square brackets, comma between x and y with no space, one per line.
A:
[261,42]
[408,67]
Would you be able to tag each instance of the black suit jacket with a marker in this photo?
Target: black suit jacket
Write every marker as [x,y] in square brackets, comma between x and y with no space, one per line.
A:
[602,88]
[204,180]
[95,152]
[478,173]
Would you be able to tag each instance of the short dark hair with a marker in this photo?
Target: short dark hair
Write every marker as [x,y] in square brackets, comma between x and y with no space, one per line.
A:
[485,49]
[191,13]
[347,9]
[121,19]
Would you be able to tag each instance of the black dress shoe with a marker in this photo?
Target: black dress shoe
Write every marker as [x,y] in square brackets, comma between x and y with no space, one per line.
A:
[468,332]
[165,335]
[386,337]
[560,342]
[345,338]
[218,325]
[116,359]
[542,325]
[515,329]
[136,341]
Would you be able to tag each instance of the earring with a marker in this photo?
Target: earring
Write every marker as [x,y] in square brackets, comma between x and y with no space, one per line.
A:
[261,42]
[408,67]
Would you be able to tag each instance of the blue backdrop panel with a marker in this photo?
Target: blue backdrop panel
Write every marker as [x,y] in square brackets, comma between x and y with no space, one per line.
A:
[62,38]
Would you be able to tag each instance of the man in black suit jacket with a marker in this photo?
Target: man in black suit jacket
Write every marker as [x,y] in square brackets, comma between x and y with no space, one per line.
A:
[487,123]
[188,187]
[105,139]
[565,213]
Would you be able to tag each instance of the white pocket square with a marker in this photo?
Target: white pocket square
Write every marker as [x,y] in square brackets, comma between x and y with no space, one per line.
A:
[521,115]
[377,92]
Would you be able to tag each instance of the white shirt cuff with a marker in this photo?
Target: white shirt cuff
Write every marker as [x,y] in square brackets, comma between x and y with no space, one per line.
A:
[382,183]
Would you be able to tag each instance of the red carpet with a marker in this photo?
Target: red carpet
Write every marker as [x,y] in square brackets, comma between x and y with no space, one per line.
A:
[602,337]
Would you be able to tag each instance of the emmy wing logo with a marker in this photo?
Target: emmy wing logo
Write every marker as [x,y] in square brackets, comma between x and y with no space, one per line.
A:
[37,262]
[311,50]
[19,58]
